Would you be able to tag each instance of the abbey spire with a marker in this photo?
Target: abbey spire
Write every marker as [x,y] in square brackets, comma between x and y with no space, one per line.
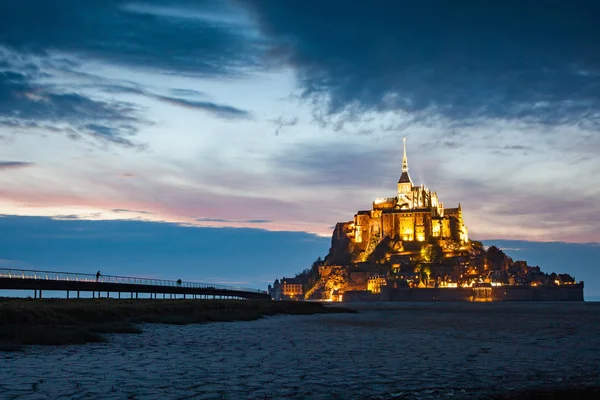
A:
[404,183]
[404,159]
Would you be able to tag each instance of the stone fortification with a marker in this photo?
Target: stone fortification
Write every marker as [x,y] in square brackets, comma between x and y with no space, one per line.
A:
[412,241]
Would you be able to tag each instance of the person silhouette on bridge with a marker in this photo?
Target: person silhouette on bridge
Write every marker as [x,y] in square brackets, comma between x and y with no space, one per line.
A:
[178,282]
[97,276]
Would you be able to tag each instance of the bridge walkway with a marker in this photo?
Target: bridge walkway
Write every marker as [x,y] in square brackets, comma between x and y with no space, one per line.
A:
[75,283]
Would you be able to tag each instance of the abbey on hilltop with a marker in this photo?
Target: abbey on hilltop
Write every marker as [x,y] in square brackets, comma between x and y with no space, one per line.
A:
[413,217]
[411,248]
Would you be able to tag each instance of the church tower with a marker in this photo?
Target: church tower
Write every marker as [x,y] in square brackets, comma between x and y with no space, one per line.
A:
[404,183]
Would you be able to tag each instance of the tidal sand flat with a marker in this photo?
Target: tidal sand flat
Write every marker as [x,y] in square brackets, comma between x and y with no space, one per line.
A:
[385,351]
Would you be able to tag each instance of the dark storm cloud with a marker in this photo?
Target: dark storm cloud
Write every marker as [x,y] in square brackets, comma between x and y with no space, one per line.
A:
[205,38]
[464,60]
[196,37]
[27,104]
[14,164]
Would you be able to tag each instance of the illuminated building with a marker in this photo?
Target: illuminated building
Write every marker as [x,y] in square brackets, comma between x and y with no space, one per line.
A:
[291,288]
[375,283]
[409,247]
[413,217]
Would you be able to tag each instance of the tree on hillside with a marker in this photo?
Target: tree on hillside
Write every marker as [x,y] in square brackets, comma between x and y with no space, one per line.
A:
[316,264]
[496,258]
[311,275]
[431,253]
[425,273]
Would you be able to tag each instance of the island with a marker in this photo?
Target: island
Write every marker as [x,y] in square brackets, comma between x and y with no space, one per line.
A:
[410,247]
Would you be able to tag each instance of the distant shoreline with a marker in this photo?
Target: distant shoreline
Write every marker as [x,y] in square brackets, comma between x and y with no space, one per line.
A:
[62,321]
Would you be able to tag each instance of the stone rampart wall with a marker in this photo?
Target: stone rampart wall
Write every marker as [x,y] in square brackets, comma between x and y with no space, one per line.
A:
[499,293]
[360,295]
[540,293]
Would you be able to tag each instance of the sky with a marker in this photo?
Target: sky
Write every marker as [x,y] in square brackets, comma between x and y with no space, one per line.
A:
[270,121]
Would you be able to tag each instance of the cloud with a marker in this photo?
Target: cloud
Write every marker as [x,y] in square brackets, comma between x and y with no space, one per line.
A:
[218,110]
[503,195]
[124,210]
[14,164]
[337,165]
[520,211]
[232,221]
[69,217]
[169,251]
[464,61]
[187,93]
[136,248]
[45,82]
[25,103]
[576,259]
[281,122]
[206,38]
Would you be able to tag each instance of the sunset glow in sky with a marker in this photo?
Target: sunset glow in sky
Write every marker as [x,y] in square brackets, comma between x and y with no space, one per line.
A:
[289,115]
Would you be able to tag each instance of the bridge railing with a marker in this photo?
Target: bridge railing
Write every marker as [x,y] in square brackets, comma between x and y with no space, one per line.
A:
[82,277]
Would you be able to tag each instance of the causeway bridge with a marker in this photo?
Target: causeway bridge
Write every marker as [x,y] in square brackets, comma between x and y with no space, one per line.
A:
[122,286]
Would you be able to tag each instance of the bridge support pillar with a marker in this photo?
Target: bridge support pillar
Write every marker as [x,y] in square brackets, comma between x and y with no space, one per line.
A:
[119,295]
[40,293]
[67,294]
[136,295]
[132,295]
[78,294]
[184,296]
[107,295]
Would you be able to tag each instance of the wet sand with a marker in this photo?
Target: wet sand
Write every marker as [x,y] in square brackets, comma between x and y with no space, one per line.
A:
[390,350]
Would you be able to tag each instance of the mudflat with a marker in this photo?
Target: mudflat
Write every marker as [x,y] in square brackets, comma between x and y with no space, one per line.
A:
[385,351]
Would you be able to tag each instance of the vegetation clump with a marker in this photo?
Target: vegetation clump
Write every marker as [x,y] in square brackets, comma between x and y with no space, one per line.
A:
[63,321]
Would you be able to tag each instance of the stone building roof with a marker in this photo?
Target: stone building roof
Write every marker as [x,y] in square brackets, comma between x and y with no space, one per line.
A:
[451,211]
[404,178]
[291,281]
